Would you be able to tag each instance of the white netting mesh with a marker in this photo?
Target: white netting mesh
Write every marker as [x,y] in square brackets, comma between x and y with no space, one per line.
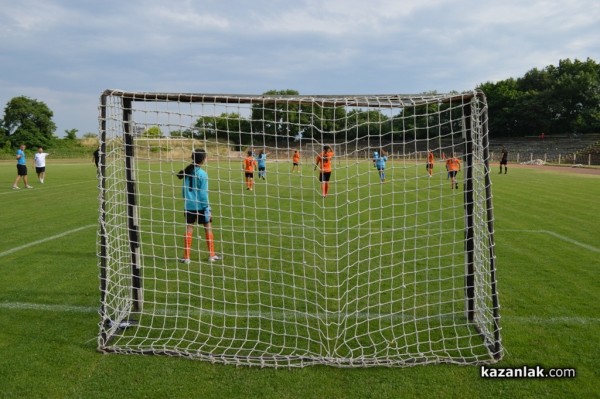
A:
[375,273]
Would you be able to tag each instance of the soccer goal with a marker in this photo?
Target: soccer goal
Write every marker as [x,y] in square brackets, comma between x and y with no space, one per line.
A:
[381,254]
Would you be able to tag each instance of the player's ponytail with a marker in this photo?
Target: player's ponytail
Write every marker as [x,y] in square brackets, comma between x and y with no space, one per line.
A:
[188,171]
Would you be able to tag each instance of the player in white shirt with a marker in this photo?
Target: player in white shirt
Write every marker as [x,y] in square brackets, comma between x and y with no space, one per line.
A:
[40,164]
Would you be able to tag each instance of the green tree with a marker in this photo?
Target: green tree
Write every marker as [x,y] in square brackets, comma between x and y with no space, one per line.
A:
[503,99]
[325,119]
[71,134]
[561,99]
[279,118]
[290,119]
[153,132]
[362,124]
[576,91]
[28,121]
[232,127]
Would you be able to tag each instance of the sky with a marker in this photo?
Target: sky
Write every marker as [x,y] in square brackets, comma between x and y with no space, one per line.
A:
[65,53]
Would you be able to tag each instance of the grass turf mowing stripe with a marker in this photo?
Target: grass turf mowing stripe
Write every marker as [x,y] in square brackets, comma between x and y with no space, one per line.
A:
[16,249]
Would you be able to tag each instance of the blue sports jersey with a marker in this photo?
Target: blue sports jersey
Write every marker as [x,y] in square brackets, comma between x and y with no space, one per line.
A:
[21,161]
[380,162]
[262,160]
[195,190]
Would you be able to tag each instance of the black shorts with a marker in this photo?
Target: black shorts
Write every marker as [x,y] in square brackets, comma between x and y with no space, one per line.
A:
[295,163]
[201,217]
[429,166]
[249,175]
[39,169]
[324,176]
[452,173]
[503,162]
[21,170]
[262,168]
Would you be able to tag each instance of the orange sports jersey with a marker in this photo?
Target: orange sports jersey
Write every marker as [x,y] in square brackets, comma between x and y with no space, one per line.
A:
[249,164]
[296,157]
[430,157]
[324,160]
[453,164]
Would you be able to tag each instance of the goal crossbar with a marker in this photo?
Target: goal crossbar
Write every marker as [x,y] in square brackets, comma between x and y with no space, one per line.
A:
[355,100]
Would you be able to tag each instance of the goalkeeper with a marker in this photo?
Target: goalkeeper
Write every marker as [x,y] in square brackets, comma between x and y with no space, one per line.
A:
[197,208]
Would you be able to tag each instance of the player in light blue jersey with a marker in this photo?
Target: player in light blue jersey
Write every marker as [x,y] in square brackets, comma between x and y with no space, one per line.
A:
[379,160]
[262,164]
[21,168]
[197,207]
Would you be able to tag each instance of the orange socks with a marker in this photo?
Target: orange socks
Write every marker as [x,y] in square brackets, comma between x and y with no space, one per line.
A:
[188,245]
[210,243]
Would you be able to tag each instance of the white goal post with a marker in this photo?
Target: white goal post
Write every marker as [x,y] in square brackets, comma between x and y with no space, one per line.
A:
[385,259]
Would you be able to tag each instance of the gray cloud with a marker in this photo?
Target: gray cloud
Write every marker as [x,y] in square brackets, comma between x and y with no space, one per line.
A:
[66,52]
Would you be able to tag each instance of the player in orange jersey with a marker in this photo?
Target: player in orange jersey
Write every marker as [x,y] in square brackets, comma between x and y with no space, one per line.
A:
[453,166]
[430,161]
[249,165]
[323,161]
[296,161]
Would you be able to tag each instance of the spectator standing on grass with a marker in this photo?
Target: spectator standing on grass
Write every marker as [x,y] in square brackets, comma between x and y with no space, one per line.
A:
[21,168]
[40,164]
[504,160]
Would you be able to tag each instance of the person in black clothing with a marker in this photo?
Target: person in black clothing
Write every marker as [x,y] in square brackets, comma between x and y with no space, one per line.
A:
[97,157]
[504,160]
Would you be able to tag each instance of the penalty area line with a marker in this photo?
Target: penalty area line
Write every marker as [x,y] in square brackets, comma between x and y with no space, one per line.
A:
[66,233]
[555,235]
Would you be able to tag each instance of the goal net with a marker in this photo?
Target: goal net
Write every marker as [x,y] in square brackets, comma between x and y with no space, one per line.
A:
[360,255]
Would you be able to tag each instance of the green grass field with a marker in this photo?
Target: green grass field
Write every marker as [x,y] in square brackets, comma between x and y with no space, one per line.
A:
[548,257]
[373,271]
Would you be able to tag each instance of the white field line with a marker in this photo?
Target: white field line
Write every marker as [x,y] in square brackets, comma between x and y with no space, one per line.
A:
[66,233]
[48,308]
[282,315]
[36,184]
[555,235]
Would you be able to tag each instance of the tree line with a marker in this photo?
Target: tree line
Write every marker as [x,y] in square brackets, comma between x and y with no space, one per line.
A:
[563,99]
[555,100]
